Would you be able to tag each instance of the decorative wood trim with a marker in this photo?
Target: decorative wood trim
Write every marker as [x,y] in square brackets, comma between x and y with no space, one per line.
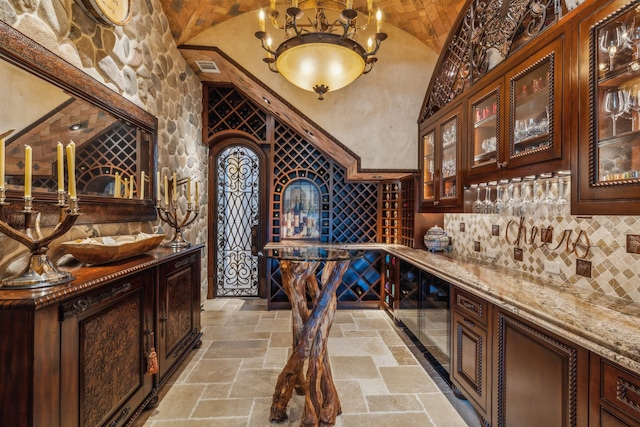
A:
[478,339]
[622,388]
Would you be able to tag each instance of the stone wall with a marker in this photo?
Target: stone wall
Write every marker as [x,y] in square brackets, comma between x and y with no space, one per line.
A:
[141,62]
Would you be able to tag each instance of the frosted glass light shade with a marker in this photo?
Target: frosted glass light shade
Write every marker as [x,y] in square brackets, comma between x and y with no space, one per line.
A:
[316,60]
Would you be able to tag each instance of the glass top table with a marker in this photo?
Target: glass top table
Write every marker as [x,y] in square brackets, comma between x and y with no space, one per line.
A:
[313,307]
[311,253]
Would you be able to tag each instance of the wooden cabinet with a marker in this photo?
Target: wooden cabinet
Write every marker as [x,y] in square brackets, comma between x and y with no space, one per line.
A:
[608,166]
[539,378]
[615,395]
[79,354]
[106,337]
[178,311]
[513,372]
[440,151]
[516,121]
[471,352]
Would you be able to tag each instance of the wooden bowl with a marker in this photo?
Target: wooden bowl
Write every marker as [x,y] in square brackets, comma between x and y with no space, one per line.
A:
[101,250]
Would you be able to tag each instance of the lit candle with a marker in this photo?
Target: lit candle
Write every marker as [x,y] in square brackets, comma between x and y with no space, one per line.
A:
[197,203]
[158,187]
[116,186]
[378,21]
[60,152]
[28,156]
[175,181]
[269,41]
[261,20]
[166,190]
[141,185]
[189,190]
[370,44]
[71,169]
[369,5]
[2,163]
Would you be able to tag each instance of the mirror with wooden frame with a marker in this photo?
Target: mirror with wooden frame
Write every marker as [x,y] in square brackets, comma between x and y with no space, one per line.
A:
[47,101]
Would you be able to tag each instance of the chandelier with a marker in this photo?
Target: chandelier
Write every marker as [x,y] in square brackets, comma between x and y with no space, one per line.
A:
[321,53]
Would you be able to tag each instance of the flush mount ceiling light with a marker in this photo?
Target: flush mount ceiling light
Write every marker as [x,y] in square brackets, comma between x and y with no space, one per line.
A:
[321,55]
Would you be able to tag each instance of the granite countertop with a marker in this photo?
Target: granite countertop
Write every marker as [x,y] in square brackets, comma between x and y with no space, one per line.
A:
[605,325]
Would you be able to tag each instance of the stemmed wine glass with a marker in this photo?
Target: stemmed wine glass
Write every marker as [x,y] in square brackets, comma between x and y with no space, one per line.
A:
[477,205]
[498,205]
[488,204]
[561,203]
[534,206]
[611,41]
[614,105]
[632,97]
[524,203]
[512,203]
[548,201]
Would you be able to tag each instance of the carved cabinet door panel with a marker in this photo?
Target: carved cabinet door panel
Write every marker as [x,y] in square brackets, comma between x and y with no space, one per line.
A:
[178,311]
[539,379]
[105,341]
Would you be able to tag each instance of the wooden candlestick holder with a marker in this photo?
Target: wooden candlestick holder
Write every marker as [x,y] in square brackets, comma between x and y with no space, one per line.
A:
[40,271]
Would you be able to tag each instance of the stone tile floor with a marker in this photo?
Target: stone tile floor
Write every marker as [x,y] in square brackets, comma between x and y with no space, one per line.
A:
[381,378]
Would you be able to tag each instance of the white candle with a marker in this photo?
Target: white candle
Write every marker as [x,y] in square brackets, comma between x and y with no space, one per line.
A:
[141,185]
[2,162]
[261,20]
[131,184]
[273,4]
[28,158]
[197,194]
[71,169]
[116,186]
[189,190]
[166,190]
[369,5]
[60,152]
[175,181]
[158,187]
[378,21]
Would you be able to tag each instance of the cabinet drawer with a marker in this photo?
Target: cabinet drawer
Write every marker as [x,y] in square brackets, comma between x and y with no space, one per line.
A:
[621,389]
[471,306]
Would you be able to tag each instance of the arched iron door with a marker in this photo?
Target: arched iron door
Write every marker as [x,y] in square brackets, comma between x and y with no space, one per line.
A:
[238,211]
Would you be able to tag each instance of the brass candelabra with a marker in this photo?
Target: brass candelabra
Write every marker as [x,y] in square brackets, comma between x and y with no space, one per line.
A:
[168,212]
[40,271]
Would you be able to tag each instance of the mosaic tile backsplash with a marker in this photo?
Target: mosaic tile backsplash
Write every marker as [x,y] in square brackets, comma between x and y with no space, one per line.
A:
[613,271]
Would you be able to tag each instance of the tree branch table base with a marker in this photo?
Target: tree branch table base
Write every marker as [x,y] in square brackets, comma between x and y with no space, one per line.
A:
[311,328]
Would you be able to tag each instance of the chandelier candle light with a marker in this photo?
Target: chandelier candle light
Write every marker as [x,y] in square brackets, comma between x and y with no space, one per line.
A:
[40,271]
[168,209]
[321,55]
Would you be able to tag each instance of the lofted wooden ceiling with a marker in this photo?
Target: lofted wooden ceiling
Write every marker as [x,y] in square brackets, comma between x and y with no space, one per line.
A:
[427,20]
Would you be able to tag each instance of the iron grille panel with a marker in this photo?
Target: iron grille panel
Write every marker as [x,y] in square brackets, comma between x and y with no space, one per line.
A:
[238,209]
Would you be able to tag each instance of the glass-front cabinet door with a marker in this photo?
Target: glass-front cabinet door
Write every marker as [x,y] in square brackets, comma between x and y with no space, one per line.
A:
[449,142]
[609,85]
[440,142]
[484,135]
[428,166]
[535,107]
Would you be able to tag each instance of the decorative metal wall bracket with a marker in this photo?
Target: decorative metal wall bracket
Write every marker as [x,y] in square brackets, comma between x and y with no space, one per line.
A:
[40,271]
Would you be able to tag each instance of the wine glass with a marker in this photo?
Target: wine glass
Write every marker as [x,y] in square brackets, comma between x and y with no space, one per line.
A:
[614,106]
[523,209]
[488,204]
[611,41]
[632,97]
[534,205]
[477,205]
[498,205]
[548,201]
[562,203]
[512,202]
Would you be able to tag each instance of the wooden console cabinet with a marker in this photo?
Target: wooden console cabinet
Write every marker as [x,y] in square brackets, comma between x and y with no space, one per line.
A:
[79,354]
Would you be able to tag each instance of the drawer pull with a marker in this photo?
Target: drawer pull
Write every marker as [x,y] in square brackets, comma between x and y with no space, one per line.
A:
[122,415]
[469,323]
[469,305]
[85,303]
[622,389]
